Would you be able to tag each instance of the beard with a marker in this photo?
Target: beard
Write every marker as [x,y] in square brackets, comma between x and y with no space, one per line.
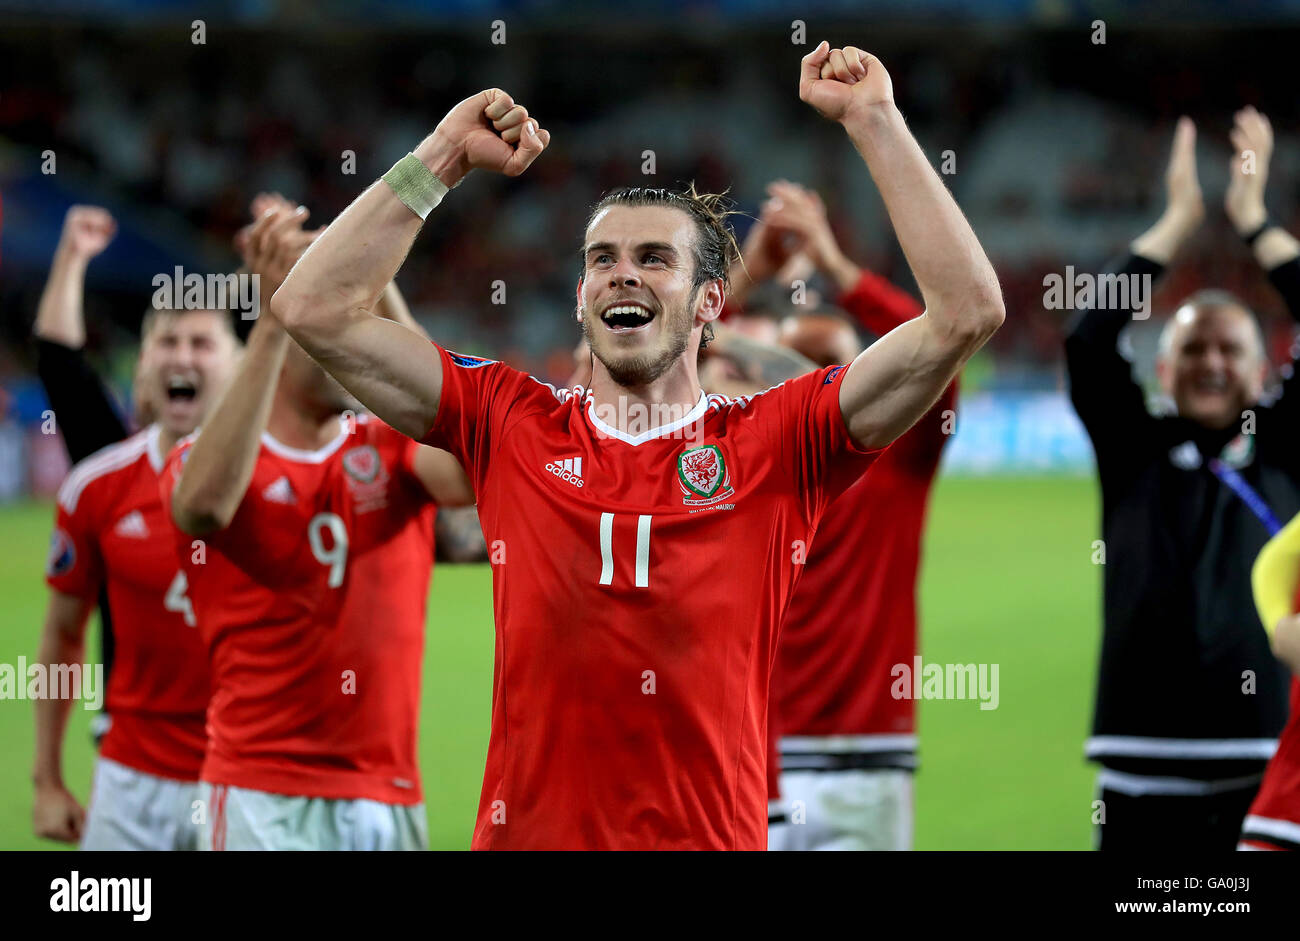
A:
[644,368]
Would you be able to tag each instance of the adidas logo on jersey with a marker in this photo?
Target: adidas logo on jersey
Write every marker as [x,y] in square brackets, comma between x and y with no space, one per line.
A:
[569,470]
[132,526]
[279,492]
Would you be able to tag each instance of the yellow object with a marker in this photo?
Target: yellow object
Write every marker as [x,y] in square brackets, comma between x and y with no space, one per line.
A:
[1276,574]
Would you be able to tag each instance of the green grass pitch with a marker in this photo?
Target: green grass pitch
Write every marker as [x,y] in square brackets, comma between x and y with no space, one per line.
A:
[1007,579]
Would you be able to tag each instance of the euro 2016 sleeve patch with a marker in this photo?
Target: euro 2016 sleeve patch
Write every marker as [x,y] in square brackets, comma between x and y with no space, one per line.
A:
[63,554]
[468,362]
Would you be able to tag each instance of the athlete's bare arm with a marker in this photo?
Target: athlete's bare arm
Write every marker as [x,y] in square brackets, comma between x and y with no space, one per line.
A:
[221,461]
[327,303]
[392,306]
[87,230]
[56,813]
[899,377]
[442,477]
[1286,642]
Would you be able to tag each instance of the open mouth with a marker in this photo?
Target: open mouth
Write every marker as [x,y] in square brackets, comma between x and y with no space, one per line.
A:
[1210,386]
[622,318]
[180,389]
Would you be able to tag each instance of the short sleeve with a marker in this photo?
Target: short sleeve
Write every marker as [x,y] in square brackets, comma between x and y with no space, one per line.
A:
[473,409]
[74,566]
[808,431]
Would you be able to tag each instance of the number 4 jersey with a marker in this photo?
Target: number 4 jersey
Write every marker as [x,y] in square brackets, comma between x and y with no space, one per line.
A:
[112,530]
[639,579]
[312,606]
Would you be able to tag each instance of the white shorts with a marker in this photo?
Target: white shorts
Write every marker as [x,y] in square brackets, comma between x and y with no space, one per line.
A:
[238,818]
[134,810]
[857,809]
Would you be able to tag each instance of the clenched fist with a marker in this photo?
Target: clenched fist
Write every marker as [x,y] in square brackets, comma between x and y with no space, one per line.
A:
[87,230]
[57,815]
[840,83]
[487,131]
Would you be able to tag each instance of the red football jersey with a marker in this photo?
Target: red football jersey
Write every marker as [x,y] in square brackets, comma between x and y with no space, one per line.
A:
[853,615]
[312,605]
[1274,817]
[112,529]
[638,583]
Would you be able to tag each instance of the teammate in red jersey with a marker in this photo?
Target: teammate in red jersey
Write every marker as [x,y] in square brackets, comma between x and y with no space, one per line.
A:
[848,746]
[640,587]
[310,586]
[1273,822]
[112,530]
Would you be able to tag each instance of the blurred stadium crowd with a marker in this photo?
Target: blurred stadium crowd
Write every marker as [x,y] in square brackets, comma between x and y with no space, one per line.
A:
[1055,141]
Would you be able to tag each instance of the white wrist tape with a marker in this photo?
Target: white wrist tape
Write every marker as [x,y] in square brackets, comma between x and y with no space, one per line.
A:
[415,185]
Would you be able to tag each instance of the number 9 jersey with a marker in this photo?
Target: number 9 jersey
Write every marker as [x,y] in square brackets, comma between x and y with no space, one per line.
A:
[312,606]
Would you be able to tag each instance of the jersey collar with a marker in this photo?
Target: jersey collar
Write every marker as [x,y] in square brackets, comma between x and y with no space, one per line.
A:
[609,430]
[306,457]
[154,449]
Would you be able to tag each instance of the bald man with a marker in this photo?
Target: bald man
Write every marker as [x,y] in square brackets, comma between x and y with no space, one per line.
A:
[1189,697]
[1211,359]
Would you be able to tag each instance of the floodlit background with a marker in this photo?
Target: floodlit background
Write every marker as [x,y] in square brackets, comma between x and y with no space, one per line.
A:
[1057,141]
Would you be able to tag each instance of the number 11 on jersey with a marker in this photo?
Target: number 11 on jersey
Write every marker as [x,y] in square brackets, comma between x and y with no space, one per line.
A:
[642,550]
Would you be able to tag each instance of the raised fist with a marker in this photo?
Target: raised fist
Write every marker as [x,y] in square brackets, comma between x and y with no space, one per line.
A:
[487,131]
[842,82]
[87,230]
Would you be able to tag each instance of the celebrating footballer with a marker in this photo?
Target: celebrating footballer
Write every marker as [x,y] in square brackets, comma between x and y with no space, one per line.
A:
[637,614]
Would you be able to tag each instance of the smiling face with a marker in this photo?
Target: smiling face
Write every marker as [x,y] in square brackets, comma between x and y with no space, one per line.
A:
[1211,363]
[638,302]
[186,359]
